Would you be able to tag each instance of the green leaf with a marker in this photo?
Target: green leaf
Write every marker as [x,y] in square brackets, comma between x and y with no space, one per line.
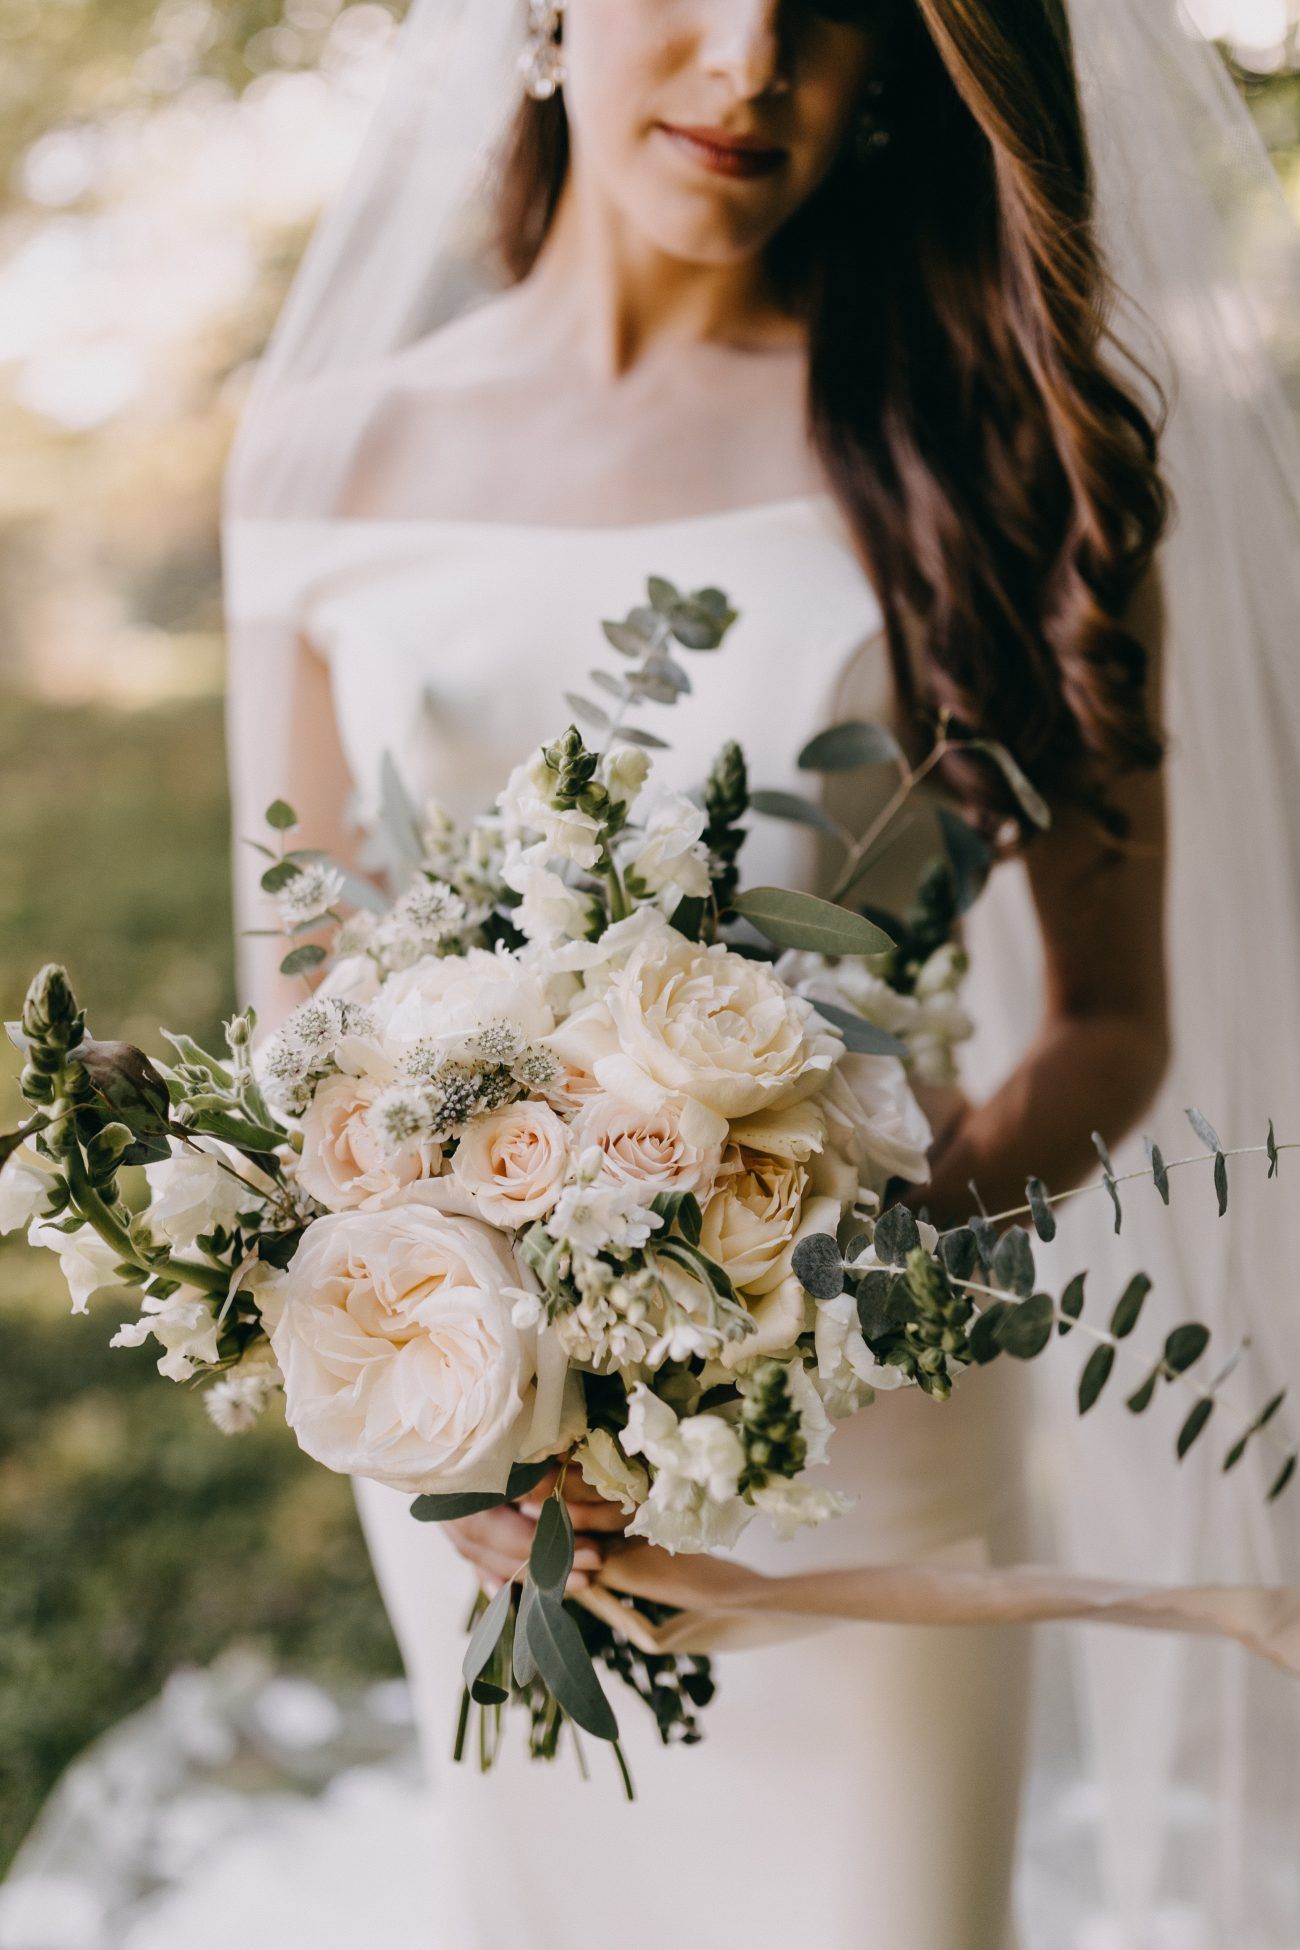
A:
[1204,1130]
[970,858]
[1096,1373]
[959,1252]
[1013,1262]
[628,639]
[551,1559]
[844,747]
[819,1267]
[448,1509]
[632,734]
[1025,1330]
[586,709]
[1221,1181]
[858,1033]
[11,1141]
[1272,1150]
[1287,1472]
[798,811]
[526,1476]
[794,920]
[884,1303]
[299,960]
[1185,1346]
[1128,1308]
[897,1234]
[277,878]
[1043,1216]
[1071,1306]
[563,1661]
[522,1661]
[486,1636]
[1108,1177]
[281,816]
[1028,798]
[680,1209]
[985,1235]
[1140,1400]
[1159,1175]
[1195,1422]
[688,916]
[985,1341]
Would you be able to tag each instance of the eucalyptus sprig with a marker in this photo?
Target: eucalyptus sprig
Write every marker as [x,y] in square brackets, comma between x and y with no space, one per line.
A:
[925,1311]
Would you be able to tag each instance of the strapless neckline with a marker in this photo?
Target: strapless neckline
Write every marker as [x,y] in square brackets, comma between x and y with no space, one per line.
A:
[820,501]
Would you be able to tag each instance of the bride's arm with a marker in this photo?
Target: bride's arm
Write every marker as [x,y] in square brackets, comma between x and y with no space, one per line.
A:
[1102,1046]
[284,744]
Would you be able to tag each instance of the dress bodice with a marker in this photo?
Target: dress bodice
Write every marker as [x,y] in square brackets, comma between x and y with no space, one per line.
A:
[451,644]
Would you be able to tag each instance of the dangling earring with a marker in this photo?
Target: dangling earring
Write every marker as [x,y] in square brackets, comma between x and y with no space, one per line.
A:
[871,133]
[542,61]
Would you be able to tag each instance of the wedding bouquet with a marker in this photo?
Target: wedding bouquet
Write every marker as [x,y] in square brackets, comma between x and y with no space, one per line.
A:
[575,1157]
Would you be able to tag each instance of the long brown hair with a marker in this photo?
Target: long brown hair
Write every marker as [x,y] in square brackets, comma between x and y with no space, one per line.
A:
[985,435]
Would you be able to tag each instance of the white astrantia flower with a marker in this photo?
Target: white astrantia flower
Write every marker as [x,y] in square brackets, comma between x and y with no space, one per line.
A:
[237,1401]
[315,890]
[86,1261]
[665,856]
[25,1184]
[186,1326]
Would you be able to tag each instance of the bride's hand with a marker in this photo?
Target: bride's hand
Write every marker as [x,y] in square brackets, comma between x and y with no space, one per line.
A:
[497,1542]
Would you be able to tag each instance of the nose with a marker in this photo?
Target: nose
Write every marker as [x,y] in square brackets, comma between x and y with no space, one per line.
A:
[744,46]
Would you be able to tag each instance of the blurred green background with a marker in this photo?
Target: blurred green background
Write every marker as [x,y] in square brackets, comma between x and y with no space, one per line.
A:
[159,167]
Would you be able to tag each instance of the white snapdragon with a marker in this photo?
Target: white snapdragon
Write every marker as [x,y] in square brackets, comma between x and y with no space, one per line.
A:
[529,815]
[610,1473]
[790,1507]
[86,1261]
[196,1191]
[550,912]
[185,1326]
[25,1185]
[667,858]
[313,893]
[623,773]
[595,1214]
[694,1502]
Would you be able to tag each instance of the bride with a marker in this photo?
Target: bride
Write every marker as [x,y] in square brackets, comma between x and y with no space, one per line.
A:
[806,301]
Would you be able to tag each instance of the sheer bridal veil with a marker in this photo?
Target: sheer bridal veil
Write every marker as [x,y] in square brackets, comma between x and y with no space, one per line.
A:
[1185,1756]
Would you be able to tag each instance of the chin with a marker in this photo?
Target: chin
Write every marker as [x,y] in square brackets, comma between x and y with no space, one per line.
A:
[702,231]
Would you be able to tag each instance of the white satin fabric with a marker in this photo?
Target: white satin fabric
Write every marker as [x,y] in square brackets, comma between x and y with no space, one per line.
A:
[858,1786]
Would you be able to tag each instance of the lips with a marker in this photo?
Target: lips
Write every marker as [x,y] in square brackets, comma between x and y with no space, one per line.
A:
[724,153]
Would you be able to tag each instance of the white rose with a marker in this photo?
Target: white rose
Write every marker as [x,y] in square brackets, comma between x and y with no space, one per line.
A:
[512,1163]
[400,1356]
[346,1163]
[85,1260]
[609,1472]
[876,1120]
[640,1147]
[679,1021]
[185,1325]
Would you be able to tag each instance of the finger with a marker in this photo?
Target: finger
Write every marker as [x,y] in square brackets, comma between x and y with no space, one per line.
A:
[504,1529]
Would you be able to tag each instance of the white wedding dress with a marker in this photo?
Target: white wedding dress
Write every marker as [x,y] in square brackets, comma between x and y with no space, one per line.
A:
[859,1787]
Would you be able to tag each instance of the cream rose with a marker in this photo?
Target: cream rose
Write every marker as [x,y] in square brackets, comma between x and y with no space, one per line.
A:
[751,1219]
[876,1121]
[512,1163]
[401,1361]
[703,1026]
[645,1147]
[345,1162]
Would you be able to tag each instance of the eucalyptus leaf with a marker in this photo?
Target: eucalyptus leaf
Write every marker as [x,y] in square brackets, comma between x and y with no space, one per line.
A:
[551,1559]
[794,920]
[1271,1148]
[1159,1175]
[486,1636]
[884,1304]
[632,734]
[586,709]
[1108,1177]
[897,1234]
[1027,796]
[278,877]
[280,816]
[450,1508]
[522,1661]
[819,1267]
[792,807]
[1204,1130]
[1128,1308]
[1185,1346]
[1013,1262]
[1140,1400]
[299,961]
[628,639]
[1096,1373]
[1071,1306]
[1025,1330]
[1043,1216]
[860,1035]
[563,1661]
[985,1235]
[844,747]
[985,1344]
[1283,1479]
[616,686]
[969,856]
[1194,1424]
[1221,1181]
[959,1251]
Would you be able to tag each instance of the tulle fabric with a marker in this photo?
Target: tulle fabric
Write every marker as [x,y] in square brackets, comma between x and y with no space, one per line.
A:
[1193,1753]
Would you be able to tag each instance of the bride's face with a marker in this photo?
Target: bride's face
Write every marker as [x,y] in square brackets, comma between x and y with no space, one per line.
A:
[709,123]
